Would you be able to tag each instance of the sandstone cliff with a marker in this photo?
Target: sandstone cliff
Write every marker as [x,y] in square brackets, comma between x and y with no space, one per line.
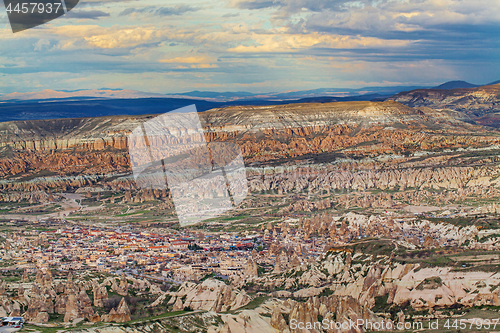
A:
[210,295]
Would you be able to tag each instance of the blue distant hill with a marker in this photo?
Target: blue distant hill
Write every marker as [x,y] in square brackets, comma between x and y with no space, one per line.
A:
[94,107]
[82,106]
[456,85]
[47,107]
[213,94]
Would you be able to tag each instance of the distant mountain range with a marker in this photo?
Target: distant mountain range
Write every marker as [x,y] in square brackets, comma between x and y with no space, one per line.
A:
[461,84]
[344,94]
[49,94]
[301,94]
[51,104]
[455,85]
[210,95]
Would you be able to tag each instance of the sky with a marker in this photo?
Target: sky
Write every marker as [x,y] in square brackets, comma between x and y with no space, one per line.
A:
[165,46]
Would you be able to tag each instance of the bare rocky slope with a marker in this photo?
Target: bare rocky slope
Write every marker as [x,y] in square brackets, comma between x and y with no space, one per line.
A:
[474,101]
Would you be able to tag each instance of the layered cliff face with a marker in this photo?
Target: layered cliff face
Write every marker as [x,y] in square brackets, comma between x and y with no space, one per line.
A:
[85,133]
[210,295]
[474,101]
[40,157]
[91,134]
[92,146]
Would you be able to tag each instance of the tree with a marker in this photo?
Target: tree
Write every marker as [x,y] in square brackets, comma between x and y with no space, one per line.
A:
[194,247]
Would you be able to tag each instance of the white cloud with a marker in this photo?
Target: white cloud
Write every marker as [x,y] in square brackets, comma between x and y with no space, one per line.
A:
[261,44]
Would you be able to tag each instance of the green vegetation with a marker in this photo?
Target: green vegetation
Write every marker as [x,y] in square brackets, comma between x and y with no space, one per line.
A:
[165,315]
[6,263]
[326,292]
[373,246]
[430,283]
[42,173]
[255,303]
[133,213]
[381,303]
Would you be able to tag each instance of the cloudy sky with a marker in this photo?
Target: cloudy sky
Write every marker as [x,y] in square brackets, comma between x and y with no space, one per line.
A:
[254,45]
